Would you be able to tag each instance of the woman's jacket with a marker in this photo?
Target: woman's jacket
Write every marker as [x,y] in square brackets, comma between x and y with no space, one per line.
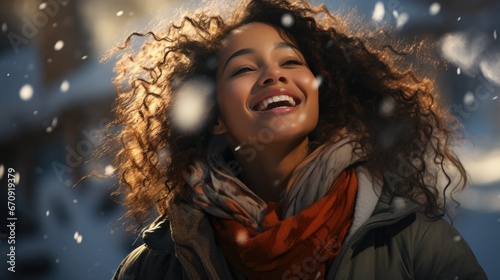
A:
[389,239]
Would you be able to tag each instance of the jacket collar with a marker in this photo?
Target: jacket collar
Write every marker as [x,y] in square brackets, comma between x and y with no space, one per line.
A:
[372,206]
[366,199]
[194,242]
[157,235]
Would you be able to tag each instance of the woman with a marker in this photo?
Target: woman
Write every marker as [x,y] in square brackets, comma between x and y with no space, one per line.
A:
[277,144]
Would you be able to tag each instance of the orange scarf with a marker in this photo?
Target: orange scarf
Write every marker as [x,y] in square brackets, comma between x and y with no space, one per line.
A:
[299,247]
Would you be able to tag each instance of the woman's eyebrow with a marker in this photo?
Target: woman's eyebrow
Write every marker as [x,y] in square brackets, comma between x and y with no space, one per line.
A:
[284,44]
[237,53]
[280,45]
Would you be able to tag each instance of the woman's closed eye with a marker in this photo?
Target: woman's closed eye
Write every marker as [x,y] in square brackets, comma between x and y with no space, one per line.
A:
[241,70]
[244,69]
[293,61]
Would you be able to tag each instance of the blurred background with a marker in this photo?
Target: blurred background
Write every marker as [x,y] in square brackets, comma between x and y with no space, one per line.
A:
[56,97]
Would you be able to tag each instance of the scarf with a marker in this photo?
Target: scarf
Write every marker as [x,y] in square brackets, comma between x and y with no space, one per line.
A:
[300,235]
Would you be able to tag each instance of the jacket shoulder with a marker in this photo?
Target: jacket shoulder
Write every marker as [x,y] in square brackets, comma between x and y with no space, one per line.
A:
[155,259]
[411,247]
[441,252]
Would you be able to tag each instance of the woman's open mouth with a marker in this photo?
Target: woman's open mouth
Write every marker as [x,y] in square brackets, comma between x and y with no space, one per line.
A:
[277,101]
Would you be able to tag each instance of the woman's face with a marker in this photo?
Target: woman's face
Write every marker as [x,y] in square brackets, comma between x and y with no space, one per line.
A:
[265,89]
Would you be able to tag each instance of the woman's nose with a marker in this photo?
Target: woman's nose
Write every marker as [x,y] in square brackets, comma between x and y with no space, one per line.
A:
[271,76]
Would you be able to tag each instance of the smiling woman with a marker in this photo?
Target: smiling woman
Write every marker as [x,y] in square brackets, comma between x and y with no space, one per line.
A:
[269,73]
[308,152]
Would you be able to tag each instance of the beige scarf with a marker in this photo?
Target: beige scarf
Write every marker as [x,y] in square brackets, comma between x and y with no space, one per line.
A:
[220,193]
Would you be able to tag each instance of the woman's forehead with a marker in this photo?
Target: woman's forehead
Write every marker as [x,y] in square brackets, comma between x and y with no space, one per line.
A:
[254,33]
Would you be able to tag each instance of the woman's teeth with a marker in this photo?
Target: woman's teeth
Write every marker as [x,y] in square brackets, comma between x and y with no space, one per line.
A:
[276,101]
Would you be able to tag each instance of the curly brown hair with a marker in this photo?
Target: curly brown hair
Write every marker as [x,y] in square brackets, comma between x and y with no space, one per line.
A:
[406,136]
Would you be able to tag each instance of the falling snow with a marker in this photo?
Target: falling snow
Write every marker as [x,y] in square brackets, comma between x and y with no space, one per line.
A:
[4,27]
[302,117]
[469,98]
[54,122]
[84,57]
[398,203]
[193,99]
[47,213]
[119,13]
[237,148]
[458,71]
[459,18]
[164,157]
[287,20]
[378,11]
[401,20]
[78,237]
[75,201]
[457,238]
[434,8]
[491,69]
[59,45]
[64,86]
[318,80]
[42,6]
[242,237]
[463,49]
[387,107]
[109,169]
[17,178]
[2,171]
[26,92]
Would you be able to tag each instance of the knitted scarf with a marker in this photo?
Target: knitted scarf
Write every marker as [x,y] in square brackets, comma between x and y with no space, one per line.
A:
[297,237]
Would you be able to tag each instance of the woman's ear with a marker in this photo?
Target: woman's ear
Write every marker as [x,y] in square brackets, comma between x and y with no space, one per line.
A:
[219,127]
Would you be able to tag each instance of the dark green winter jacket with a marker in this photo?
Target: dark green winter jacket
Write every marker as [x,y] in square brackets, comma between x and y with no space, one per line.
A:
[394,241]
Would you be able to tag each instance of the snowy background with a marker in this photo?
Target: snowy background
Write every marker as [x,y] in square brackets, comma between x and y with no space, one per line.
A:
[56,96]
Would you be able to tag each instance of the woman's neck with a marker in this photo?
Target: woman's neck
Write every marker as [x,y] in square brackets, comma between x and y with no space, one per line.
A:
[268,171]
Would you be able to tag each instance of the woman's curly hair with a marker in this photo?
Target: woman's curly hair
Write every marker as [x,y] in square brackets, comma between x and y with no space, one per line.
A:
[405,134]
